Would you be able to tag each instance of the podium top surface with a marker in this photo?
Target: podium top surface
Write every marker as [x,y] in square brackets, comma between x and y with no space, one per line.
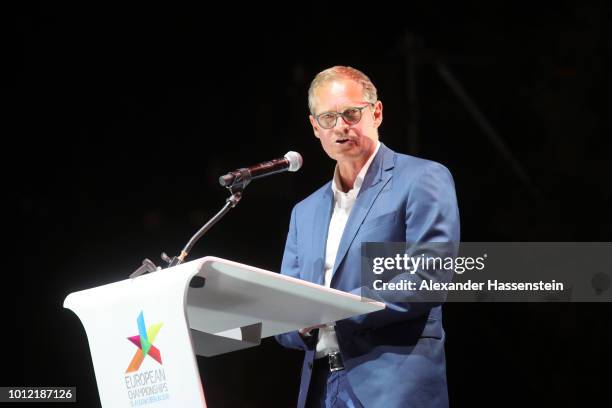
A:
[237,295]
[234,295]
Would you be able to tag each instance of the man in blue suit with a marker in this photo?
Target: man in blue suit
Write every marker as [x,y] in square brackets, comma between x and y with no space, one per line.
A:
[394,357]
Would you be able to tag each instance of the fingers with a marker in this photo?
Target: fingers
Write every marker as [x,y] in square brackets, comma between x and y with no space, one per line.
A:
[307,330]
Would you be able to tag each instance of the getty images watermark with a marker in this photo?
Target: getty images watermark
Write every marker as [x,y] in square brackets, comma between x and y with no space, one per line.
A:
[498,271]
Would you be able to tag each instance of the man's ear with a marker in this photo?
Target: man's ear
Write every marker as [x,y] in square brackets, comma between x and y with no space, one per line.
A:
[315,126]
[378,113]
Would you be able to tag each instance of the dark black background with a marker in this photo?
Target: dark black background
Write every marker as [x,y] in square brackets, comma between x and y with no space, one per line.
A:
[121,119]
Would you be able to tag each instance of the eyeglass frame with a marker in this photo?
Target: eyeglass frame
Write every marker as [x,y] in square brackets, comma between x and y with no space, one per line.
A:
[337,114]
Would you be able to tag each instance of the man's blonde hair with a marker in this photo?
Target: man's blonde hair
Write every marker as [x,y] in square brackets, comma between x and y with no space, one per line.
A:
[341,72]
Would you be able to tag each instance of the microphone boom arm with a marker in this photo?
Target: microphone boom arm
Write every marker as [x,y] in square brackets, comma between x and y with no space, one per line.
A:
[230,202]
[235,181]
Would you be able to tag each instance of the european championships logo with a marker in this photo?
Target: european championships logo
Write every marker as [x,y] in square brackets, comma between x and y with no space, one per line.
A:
[144,341]
[147,386]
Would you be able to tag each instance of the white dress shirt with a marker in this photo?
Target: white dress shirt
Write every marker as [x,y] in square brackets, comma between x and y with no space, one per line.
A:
[343,204]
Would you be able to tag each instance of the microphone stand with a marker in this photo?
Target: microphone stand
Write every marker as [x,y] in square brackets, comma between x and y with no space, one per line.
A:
[236,190]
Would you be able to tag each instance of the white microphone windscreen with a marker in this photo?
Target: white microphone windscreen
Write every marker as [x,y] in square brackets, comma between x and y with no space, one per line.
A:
[295,160]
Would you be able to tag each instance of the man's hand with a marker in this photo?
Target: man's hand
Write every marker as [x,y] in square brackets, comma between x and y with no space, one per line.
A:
[306,331]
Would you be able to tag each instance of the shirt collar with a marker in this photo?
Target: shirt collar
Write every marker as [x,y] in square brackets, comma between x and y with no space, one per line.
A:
[360,176]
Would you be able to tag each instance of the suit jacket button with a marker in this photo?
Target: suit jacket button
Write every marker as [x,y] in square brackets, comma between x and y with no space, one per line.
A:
[310,365]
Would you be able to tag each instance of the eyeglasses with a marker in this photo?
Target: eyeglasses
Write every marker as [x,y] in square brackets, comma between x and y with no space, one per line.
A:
[351,116]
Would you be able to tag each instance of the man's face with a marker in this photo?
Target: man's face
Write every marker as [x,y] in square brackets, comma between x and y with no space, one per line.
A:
[345,141]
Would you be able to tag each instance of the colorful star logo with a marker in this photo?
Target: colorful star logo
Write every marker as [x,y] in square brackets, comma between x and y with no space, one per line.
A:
[144,341]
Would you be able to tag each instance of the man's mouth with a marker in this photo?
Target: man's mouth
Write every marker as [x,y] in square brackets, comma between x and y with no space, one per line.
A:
[342,141]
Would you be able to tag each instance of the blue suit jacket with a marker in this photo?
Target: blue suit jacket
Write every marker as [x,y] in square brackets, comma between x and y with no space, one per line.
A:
[394,357]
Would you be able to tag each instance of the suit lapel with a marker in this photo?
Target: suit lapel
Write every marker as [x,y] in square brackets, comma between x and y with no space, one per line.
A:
[377,177]
[323,213]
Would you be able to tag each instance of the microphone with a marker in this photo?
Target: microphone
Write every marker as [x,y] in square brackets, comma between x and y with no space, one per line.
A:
[292,161]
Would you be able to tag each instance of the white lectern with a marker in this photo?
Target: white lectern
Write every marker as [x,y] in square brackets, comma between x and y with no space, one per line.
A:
[144,332]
